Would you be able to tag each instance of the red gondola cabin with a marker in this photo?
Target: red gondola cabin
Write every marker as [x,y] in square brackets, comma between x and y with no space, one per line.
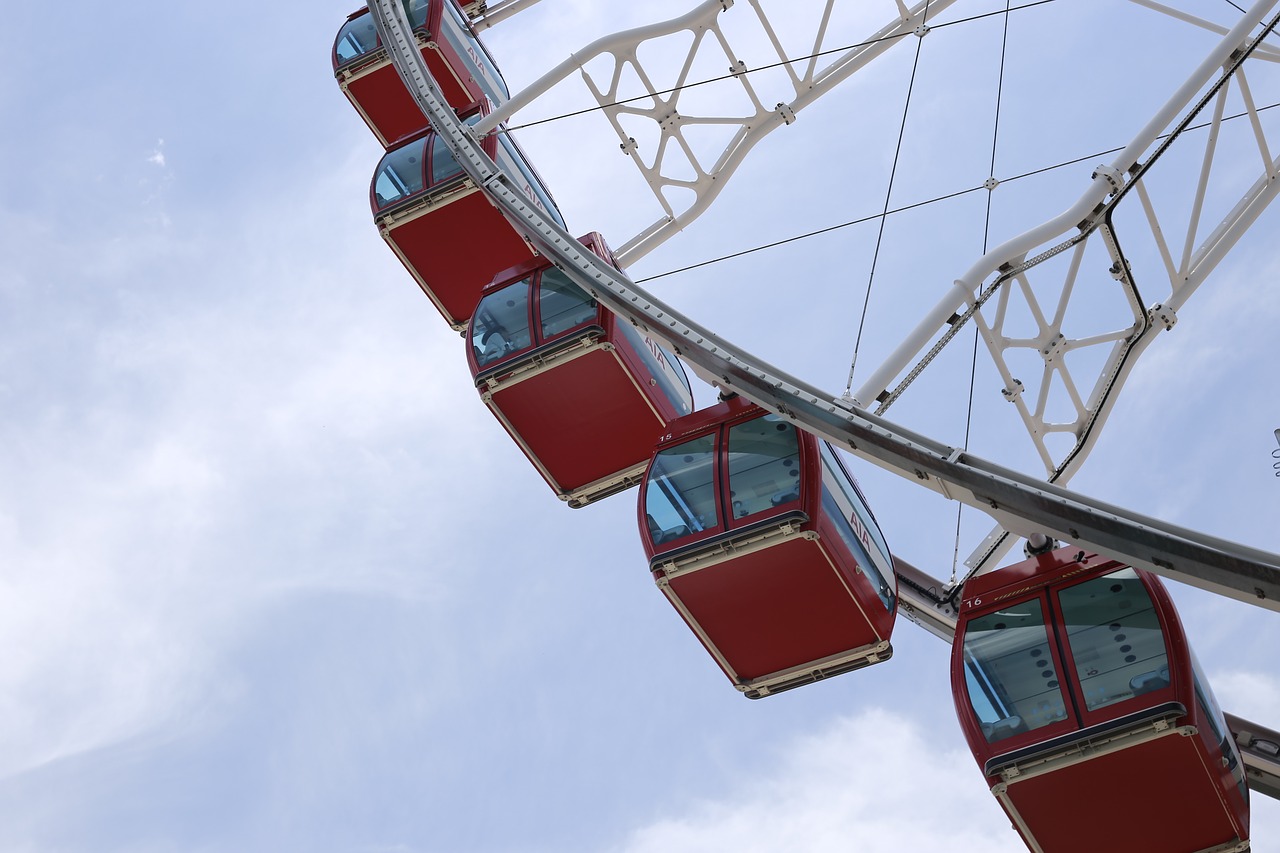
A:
[583,393]
[461,66]
[1087,711]
[443,229]
[766,548]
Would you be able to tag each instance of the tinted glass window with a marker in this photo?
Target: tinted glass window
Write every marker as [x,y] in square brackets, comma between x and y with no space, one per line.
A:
[1223,742]
[764,465]
[677,369]
[563,304]
[671,379]
[457,31]
[680,495]
[1115,638]
[500,326]
[1012,683]
[518,170]
[399,174]
[443,165]
[417,12]
[874,557]
[356,38]
[831,506]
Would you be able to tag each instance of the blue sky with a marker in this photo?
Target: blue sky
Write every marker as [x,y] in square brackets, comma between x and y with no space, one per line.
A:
[272,576]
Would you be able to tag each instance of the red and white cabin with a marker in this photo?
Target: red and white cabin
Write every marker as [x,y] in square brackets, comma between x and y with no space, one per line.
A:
[584,393]
[457,60]
[767,549]
[442,227]
[1088,713]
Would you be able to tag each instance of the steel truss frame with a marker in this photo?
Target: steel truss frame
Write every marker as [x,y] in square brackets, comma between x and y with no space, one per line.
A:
[1019,503]
[484,14]
[1040,269]
[676,156]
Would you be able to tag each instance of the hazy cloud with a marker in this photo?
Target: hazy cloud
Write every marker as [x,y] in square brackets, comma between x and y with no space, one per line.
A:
[157,155]
[870,782]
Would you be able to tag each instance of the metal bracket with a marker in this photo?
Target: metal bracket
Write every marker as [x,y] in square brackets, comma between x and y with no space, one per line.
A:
[1163,315]
[1112,175]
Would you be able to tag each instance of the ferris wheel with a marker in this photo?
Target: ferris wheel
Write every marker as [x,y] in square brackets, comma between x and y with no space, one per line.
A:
[726,491]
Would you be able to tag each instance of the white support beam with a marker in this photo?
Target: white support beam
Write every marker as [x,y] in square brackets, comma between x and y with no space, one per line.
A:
[1017,501]
[1039,269]
[676,154]
[484,15]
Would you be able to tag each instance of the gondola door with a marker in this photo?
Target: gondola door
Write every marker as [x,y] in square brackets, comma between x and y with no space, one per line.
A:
[730,512]
[1087,724]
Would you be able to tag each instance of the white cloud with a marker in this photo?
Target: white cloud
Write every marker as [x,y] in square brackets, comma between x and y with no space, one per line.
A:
[157,155]
[875,782]
[223,432]
[256,529]
[870,782]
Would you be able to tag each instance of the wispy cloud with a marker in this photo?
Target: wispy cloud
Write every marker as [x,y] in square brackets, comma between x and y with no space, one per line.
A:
[156,156]
[870,782]
[180,465]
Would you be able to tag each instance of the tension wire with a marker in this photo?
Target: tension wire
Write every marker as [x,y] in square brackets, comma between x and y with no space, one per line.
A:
[888,194]
[986,236]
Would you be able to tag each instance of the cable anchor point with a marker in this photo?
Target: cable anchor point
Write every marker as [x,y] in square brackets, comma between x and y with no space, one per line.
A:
[1164,315]
[1039,543]
[1111,175]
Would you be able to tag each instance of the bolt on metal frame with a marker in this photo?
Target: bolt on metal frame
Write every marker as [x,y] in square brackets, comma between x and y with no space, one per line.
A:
[675,154]
[1019,503]
[1041,269]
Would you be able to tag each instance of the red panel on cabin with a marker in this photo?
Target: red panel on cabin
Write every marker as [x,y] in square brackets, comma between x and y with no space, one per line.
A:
[1153,796]
[583,420]
[455,250]
[388,107]
[780,607]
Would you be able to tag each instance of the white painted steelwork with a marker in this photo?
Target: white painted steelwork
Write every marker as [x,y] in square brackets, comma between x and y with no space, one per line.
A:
[1037,273]
[1019,503]
[1263,51]
[484,15]
[675,155]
